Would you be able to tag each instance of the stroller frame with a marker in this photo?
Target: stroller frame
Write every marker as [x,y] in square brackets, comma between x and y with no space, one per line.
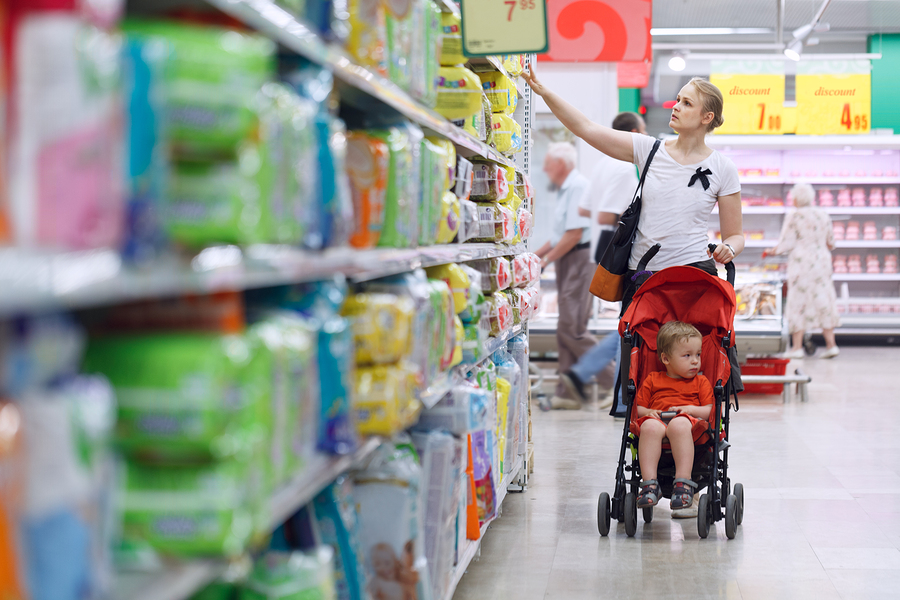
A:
[710,470]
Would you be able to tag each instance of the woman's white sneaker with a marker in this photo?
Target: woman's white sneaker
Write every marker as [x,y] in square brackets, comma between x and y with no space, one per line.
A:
[798,353]
[830,352]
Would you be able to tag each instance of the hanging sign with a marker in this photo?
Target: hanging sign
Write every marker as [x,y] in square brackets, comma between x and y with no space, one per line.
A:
[834,97]
[754,96]
[599,31]
[504,27]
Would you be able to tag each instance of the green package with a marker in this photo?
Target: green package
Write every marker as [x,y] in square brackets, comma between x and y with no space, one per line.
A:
[208,510]
[401,31]
[433,180]
[217,591]
[401,227]
[210,80]
[292,576]
[432,54]
[185,397]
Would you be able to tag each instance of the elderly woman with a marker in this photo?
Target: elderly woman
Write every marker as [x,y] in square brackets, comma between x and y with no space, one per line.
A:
[808,239]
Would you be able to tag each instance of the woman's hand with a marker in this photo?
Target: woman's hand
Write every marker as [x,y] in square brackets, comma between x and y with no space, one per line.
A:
[723,254]
[531,79]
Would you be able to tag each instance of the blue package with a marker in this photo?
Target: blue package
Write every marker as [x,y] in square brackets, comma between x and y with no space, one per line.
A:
[57,550]
[337,525]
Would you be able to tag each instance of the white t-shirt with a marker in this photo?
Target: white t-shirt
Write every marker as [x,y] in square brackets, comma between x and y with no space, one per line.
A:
[612,186]
[565,216]
[673,214]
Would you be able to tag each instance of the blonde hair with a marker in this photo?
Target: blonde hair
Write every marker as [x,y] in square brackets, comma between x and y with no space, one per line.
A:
[672,333]
[712,101]
[803,194]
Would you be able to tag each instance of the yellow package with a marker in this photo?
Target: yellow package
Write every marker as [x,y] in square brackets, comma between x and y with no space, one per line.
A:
[510,173]
[503,390]
[449,225]
[451,40]
[460,339]
[459,93]
[382,326]
[368,34]
[501,91]
[457,280]
[445,149]
[507,134]
[386,399]
[514,64]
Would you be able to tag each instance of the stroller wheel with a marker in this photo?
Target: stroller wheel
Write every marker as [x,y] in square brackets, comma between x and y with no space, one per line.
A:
[630,514]
[731,509]
[739,493]
[603,514]
[648,514]
[809,346]
[703,516]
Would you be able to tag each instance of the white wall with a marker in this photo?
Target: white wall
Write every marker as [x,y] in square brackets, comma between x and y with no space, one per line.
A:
[591,88]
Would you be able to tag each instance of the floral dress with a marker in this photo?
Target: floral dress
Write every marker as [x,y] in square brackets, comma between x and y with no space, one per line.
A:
[811,299]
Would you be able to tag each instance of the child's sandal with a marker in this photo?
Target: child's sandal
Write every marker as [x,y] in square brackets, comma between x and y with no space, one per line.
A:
[683,493]
[649,495]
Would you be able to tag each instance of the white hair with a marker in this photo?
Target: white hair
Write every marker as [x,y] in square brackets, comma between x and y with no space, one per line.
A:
[803,194]
[564,151]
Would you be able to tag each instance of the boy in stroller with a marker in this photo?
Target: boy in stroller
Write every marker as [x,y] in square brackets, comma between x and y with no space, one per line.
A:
[674,405]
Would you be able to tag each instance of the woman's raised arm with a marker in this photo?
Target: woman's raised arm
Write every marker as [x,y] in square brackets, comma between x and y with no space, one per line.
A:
[616,144]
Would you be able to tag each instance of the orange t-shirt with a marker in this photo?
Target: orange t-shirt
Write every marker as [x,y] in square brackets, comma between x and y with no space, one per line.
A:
[661,392]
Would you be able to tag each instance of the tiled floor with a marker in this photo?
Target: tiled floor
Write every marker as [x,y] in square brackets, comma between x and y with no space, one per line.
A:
[822,517]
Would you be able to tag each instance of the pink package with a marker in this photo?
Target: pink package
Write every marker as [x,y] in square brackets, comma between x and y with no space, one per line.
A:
[890,263]
[840,264]
[873,266]
[526,223]
[852,232]
[826,198]
[890,197]
[843,198]
[521,271]
[509,224]
[870,231]
[889,232]
[876,197]
[854,263]
[859,197]
[838,229]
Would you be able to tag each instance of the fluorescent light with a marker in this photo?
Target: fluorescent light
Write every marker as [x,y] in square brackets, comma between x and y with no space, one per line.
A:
[710,30]
[677,63]
[794,49]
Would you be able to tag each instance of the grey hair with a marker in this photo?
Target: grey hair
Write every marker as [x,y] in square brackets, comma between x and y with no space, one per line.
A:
[564,151]
[803,194]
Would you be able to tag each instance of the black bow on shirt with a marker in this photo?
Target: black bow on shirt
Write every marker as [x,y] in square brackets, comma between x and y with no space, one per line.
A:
[701,175]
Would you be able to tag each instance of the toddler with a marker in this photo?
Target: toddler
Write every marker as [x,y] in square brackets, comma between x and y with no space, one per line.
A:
[680,391]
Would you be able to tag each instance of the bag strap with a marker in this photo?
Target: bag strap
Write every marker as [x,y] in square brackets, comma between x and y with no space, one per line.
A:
[640,187]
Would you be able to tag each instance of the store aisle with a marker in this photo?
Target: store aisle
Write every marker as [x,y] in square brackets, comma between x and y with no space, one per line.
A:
[822,516]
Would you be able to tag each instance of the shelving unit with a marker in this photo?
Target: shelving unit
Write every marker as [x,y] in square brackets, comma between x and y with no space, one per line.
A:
[827,163]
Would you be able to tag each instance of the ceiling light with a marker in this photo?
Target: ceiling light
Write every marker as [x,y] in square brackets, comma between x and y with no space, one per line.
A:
[677,63]
[802,32]
[794,49]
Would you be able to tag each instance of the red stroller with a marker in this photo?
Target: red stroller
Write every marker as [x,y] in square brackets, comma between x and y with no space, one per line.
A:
[684,294]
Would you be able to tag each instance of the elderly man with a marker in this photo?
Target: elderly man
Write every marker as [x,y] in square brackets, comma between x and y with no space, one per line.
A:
[569,247]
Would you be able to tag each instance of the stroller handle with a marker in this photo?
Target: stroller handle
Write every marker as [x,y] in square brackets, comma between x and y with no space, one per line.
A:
[729,268]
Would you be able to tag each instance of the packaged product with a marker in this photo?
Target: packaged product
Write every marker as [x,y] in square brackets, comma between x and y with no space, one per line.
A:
[482,460]
[451,40]
[427,53]
[487,112]
[526,223]
[12,471]
[465,176]
[367,41]
[469,226]
[334,511]
[473,525]
[401,228]
[460,331]
[434,175]
[501,91]
[496,273]
[524,189]
[193,510]
[510,373]
[459,93]
[67,187]
[368,168]
[382,325]
[386,399]
[514,64]
[474,298]
[329,18]
[448,226]
[507,134]
[500,433]
[489,181]
[184,396]
[442,335]
[463,410]
[508,225]
[500,313]
[291,576]
[523,273]
[509,175]
[402,28]
[476,335]
[442,466]
[458,281]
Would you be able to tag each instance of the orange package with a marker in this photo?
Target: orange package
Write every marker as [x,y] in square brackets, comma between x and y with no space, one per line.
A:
[368,165]
[11,484]
[473,527]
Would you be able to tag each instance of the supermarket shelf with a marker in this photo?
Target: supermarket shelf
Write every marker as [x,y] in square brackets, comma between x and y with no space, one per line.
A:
[832,210]
[866,277]
[812,142]
[865,244]
[49,281]
[879,300]
[275,22]
[763,180]
[472,546]
[448,6]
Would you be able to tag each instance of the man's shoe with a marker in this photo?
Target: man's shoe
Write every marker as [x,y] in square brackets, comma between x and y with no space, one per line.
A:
[574,384]
[559,403]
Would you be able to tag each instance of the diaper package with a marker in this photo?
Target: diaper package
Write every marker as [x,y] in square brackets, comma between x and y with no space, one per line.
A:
[367,41]
[368,168]
[334,511]
[438,164]
[457,280]
[402,28]
[443,336]
[500,433]
[496,273]
[401,205]
[514,64]
[448,226]
[476,336]
[451,41]
[460,331]
[291,575]
[386,399]
[483,473]
[501,91]
[459,93]
[426,54]
[389,501]
[509,371]
[507,134]
[382,326]
[489,181]
[518,349]
[463,410]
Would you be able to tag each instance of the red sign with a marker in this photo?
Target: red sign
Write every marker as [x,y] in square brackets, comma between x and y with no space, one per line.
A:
[633,74]
[598,30]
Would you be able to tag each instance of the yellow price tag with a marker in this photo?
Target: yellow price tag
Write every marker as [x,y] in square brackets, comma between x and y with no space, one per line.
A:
[753,103]
[832,103]
[504,27]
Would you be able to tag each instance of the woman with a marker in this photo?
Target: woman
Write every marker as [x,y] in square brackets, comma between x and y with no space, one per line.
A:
[685,181]
[808,238]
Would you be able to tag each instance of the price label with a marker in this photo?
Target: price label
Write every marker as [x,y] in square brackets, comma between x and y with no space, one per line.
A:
[754,103]
[836,103]
[504,27]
